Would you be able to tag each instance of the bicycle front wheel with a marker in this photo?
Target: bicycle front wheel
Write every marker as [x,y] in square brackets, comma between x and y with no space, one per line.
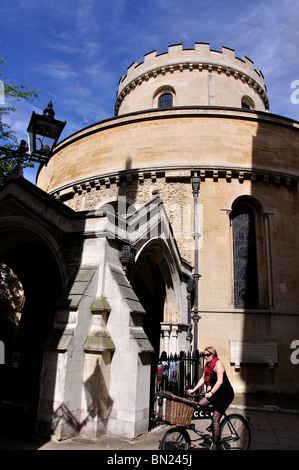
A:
[235,433]
[175,439]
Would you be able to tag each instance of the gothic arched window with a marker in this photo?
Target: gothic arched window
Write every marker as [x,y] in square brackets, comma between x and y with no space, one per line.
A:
[165,100]
[245,257]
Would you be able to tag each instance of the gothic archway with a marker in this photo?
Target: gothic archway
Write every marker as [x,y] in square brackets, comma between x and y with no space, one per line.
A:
[153,284]
[37,271]
[152,281]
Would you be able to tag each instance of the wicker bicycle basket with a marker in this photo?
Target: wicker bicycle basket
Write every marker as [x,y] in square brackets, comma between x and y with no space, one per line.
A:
[178,410]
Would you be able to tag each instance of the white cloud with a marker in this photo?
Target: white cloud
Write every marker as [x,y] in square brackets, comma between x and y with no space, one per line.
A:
[58,70]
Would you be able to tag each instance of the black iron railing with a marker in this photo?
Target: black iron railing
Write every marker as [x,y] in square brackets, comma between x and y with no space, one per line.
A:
[177,373]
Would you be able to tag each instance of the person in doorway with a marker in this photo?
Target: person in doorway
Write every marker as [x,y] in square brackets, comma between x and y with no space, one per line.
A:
[220,393]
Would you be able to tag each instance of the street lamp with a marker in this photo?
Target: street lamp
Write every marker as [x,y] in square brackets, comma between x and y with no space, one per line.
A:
[43,133]
[195,182]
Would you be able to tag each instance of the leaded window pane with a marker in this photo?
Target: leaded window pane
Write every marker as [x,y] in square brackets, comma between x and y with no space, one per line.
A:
[245,259]
[165,101]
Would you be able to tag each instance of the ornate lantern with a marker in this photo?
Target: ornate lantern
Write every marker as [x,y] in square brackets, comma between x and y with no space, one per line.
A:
[127,259]
[43,133]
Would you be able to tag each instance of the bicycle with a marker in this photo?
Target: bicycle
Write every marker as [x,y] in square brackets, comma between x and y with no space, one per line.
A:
[234,428]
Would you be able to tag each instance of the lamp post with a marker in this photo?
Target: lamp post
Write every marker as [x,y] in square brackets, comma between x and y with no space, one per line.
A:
[190,291]
[19,155]
[195,182]
[43,133]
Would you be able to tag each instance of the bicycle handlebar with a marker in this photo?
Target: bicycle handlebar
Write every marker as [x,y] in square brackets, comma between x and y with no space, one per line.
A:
[200,394]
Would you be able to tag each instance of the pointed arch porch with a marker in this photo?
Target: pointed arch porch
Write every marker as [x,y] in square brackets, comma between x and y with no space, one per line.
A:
[157,281]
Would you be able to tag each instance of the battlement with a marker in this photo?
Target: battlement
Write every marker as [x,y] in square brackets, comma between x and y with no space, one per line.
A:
[198,58]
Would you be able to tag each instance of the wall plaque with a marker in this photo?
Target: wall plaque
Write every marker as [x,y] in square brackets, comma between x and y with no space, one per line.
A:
[253,352]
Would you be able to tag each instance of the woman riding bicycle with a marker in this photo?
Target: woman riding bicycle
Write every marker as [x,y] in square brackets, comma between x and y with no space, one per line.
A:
[221,393]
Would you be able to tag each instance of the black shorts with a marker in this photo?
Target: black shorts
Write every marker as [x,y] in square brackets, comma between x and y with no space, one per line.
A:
[221,401]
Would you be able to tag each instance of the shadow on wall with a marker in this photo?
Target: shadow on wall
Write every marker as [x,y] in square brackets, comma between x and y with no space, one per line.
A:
[98,405]
[97,396]
[265,258]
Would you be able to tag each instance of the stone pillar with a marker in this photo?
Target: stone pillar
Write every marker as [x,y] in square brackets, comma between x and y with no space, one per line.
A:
[165,335]
[59,412]
[98,348]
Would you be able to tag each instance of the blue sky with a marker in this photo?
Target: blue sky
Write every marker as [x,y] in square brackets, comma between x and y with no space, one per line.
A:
[75,51]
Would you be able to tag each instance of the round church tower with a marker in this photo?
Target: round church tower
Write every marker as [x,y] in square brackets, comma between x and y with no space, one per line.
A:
[205,111]
[172,111]
[191,77]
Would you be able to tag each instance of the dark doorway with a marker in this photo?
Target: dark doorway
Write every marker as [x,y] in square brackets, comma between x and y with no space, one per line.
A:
[149,285]
[35,265]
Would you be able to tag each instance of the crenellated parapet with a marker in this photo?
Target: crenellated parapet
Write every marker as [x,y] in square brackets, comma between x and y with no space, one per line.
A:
[162,70]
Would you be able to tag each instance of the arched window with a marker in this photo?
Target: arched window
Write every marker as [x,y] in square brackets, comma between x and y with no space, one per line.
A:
[165,100]
[247,103]
[244,257]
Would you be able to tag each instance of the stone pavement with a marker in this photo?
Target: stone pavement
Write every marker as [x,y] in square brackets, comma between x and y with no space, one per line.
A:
[272,428]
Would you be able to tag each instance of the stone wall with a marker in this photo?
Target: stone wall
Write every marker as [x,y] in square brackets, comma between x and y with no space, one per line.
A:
[150,143]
